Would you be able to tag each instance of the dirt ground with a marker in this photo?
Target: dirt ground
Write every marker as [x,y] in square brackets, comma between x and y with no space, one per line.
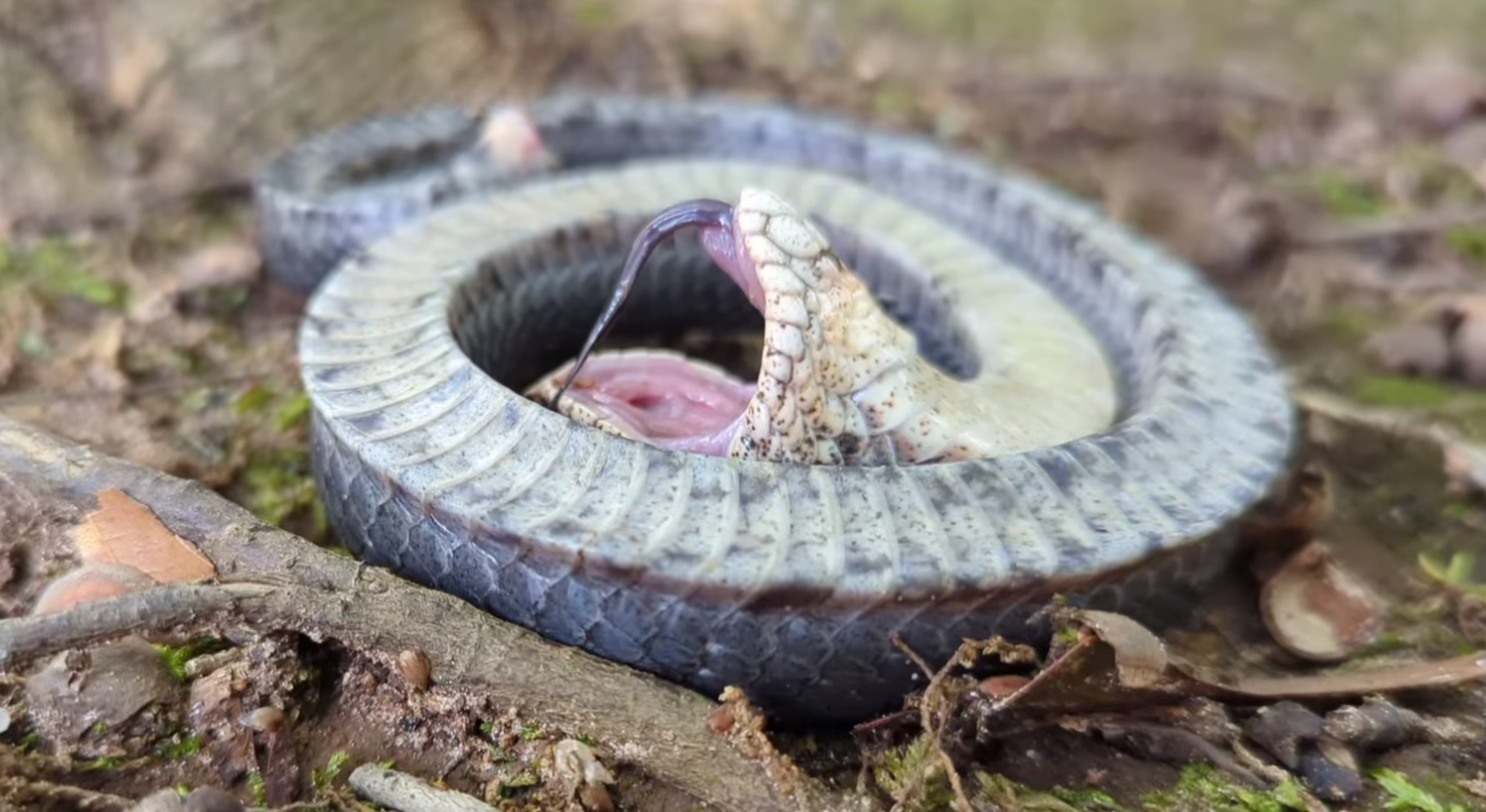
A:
[1325,167]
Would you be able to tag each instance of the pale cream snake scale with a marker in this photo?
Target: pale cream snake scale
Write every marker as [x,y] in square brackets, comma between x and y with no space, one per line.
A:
[443,287]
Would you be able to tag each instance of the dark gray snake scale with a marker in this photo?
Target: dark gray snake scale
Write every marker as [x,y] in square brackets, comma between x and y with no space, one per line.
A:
[442,289]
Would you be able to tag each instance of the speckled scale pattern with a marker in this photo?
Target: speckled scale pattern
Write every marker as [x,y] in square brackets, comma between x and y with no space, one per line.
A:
[786,580]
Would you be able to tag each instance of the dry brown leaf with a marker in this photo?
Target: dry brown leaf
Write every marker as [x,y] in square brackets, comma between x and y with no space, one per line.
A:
[122,531]
[223,263]
[1436,92]
[1317,609]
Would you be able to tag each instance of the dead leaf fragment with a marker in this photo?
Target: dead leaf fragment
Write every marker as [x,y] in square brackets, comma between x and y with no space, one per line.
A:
[1466,321]
[230,262]
[1317,610]
[91,582]
[582,775]
[123,531]
[1437,92]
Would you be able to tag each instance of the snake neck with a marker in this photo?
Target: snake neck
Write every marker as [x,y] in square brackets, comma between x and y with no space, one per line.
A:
[835,379]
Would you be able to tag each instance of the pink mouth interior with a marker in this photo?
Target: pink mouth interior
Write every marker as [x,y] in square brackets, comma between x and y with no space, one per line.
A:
[668,400]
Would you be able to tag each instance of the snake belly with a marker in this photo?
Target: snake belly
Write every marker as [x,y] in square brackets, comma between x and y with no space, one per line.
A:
[437,299]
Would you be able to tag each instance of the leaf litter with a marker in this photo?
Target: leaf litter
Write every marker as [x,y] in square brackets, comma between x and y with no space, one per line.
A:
[1303,210]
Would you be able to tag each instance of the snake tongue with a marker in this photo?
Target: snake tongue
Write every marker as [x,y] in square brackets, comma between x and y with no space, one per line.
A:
[663,397]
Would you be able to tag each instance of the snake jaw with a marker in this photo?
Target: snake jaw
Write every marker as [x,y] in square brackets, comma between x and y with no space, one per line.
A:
[828,344]
[840,382]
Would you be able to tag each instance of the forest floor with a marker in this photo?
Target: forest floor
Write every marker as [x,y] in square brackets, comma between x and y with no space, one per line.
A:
[1344,210]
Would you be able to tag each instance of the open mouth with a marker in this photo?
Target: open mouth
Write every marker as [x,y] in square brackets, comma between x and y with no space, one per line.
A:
[659,396]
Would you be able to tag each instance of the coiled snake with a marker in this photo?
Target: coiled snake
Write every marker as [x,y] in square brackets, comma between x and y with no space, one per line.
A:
[443,287]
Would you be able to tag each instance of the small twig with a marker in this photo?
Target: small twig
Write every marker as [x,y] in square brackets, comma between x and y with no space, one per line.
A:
[403,792]
[1387,421]
[934,727]
[1392,227]
[29,793]
[25,638]
[917,660]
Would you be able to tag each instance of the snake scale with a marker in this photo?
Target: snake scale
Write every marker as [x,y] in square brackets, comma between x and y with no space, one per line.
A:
[442,288]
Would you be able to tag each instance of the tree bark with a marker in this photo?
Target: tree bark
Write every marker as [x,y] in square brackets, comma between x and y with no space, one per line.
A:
[271,579]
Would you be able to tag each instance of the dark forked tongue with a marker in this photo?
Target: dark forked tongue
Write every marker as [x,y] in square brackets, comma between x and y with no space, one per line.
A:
[706,214]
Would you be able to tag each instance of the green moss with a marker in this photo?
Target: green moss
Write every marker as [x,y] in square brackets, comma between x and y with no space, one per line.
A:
[292,412]
[176,657]
[1346,197]
[33,345]
[1000,792]
[253,400]
[893,99]
[1469,242]
[532,732]
[258,788]
[178,746]
[1353,324]
[593,14]
[1203,786]
[55,268]
[1404,392]
[1087,799]
[104,763]
[526,779]
[281,484]
[1068,635]
[337,762]
[902,770]
[587,739]
[1406,796]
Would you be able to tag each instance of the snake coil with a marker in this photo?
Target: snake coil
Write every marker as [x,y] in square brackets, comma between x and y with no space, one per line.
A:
[442,287]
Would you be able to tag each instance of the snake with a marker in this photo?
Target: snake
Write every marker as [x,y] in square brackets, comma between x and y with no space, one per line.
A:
[442,284]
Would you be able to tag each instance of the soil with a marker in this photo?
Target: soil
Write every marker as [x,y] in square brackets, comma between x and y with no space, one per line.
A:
[1337,197]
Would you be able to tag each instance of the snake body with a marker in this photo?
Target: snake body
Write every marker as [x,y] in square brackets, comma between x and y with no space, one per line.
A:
[442,291]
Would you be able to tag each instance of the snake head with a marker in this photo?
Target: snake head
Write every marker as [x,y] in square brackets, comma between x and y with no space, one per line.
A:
[838,376]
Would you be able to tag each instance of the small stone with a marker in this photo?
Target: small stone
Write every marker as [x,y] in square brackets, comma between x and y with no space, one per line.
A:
[165,800]
[227,263]
[1466,321]
[1418,348]
[415,668]
[720,719]
[265,719]
[1466,148]
[101,690]
[1282,728]
[596,798]
[1002,685]
[1329,770]
[211,799]
[1375,725]
[1437,92]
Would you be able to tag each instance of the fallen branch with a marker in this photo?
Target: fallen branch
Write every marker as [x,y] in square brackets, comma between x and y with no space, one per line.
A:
[24,639]
[661,728]
[29,793]
[404,793]
[1392,227]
